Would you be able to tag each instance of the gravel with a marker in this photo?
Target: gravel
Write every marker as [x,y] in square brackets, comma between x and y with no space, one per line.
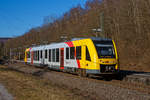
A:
[95,90]
[88,88]
[4,95]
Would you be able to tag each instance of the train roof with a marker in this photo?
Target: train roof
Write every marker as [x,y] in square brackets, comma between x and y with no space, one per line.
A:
[53,45]
[101,39]
[93,38]
[40,47]
[61,44]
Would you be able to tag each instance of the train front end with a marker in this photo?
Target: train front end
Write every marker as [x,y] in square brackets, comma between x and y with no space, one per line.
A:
[107,56]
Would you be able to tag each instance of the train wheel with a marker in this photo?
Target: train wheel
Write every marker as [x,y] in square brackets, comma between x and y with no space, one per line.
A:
[82,72]
[79,72]
[118,76]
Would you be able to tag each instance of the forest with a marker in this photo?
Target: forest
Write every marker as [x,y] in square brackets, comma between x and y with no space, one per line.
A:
[127,22]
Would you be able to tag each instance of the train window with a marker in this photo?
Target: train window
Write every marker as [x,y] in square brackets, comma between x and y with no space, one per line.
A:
[57,55]
[72,52]
[103,42]
[67,53]
[35,55]
[41,54]
[78,52]
[38,55]
[49,55]
[46,54]
[29,55]
[88,55]
[53,55]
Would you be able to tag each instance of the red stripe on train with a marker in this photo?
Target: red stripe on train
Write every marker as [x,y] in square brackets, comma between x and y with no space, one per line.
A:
[70,44]
[78,62]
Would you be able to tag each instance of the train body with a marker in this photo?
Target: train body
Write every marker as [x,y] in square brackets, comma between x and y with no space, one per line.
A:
[83,56]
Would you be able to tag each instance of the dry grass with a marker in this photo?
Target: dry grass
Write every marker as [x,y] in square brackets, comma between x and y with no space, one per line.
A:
[28,87]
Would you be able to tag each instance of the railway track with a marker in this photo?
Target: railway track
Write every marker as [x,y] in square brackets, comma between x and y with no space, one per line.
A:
[96,87]
[127,75]
[136,77]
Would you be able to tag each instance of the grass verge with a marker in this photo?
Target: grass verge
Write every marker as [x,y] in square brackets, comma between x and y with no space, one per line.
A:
[28,87]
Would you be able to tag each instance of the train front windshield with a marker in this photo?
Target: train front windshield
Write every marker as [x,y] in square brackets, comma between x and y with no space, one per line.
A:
[105,52]
[105,49]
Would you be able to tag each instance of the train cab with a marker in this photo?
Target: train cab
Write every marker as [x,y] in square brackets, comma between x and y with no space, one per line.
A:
[98,56]
[107,55]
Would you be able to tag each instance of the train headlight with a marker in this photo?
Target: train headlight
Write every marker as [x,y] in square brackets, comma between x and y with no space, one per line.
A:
[101,61]
[110,68]
[113,62]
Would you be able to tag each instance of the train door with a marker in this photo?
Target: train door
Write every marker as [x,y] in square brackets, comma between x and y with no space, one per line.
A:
[82,70]
[87,57]
[62,58]
[32,54]
[83,64]
[85,61]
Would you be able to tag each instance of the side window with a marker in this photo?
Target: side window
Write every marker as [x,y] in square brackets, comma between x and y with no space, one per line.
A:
[29,54]
[67,53]
[72,53]
[53,55]
[87,54]
[34,55]
[41,54]
[78,52]
[38,55]
[49,55]
[57,55]
[46,54]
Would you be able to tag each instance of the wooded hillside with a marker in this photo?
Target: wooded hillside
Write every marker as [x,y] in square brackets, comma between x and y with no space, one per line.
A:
[125,21]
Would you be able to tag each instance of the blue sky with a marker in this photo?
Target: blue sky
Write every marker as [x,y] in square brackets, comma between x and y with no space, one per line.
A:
[18,16]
